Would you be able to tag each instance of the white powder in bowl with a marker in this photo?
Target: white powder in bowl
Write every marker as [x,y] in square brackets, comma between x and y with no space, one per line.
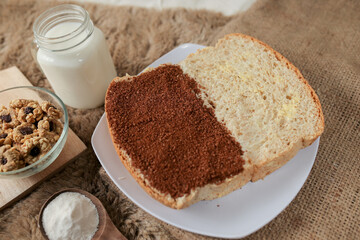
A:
[70,216]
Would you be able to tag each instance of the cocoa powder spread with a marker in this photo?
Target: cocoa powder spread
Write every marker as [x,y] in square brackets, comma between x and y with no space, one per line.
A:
[172,138]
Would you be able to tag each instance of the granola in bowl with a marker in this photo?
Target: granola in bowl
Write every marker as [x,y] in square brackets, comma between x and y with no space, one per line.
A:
[28,130]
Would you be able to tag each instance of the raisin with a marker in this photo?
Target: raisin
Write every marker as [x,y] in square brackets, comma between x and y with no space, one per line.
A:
[6,118]
[26,164]
[3,161]
[26,130]
[51,126]
[35,151]
[3,135]
[28,110]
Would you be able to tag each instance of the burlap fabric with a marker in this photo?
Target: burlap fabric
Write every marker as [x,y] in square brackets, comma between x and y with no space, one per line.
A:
[320,37]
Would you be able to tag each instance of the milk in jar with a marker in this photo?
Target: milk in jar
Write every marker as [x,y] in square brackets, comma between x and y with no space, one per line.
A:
[73,55]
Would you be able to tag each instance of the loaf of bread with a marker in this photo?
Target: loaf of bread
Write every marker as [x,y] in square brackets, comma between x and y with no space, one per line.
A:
[224,116]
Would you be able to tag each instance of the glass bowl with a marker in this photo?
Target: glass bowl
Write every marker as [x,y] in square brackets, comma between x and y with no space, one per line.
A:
[40,95]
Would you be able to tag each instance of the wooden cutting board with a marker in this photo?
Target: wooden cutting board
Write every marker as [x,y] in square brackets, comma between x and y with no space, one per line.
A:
[12,190]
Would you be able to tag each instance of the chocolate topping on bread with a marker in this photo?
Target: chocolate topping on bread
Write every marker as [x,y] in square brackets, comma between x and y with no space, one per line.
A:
[172,138]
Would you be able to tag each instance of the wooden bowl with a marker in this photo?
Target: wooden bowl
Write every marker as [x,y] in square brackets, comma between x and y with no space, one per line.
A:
[106,228]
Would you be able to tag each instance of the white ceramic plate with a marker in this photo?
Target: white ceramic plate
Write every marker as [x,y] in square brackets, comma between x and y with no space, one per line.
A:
[234,216]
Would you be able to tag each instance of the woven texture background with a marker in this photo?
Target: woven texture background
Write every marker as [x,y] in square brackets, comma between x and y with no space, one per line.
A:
[321,38]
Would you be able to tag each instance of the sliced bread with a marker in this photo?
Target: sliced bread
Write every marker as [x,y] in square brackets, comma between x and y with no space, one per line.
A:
[224,116]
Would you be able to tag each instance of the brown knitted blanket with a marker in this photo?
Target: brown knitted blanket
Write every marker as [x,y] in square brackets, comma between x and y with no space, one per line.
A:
[321,38]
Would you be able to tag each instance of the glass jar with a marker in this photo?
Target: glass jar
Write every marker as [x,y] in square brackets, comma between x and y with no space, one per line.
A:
[73,55]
